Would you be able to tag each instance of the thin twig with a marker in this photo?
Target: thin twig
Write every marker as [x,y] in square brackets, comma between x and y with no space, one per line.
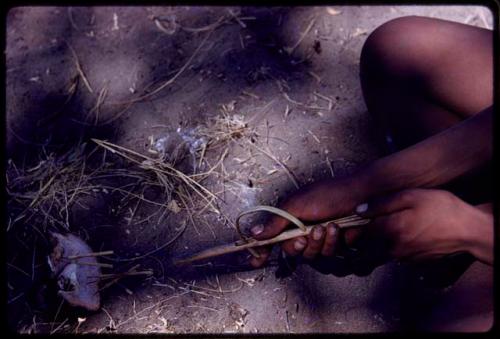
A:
[303,35]
[155,250]
[181,70]
[94,254]
[79,68]
[280,163]
[148,308]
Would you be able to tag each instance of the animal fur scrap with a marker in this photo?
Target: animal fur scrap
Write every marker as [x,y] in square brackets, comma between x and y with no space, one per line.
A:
[77,278]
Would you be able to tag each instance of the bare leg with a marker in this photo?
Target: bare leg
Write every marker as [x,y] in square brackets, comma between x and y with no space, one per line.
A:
[467,306]
[420,76]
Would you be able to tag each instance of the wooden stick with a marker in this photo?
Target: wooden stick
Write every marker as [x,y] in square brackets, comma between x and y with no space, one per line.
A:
[95,264]
[346,222]
[93,254]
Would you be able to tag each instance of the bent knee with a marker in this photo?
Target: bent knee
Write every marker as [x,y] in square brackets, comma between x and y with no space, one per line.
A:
[399,47]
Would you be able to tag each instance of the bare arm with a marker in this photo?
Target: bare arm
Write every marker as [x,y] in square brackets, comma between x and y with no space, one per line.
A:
[434,161]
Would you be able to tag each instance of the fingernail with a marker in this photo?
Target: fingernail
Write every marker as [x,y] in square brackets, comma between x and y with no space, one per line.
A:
[362,208]
[258,229]
[317,233]
[300,244]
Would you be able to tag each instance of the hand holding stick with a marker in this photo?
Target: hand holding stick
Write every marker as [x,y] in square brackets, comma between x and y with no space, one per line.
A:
[249,243]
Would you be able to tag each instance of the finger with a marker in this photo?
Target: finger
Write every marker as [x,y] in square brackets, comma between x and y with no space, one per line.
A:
[314,242]
[271,229]
[352,235]
[295,246]
[264,253]
[387,204]
[331,240]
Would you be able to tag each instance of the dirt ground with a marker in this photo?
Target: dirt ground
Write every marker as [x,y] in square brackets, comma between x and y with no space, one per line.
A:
[288,76]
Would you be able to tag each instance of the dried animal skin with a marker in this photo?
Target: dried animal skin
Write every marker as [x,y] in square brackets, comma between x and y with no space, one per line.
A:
[77,279]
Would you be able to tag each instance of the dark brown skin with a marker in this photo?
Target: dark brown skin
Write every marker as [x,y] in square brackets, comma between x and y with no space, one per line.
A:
[427,224]
[430,84]
[427,164]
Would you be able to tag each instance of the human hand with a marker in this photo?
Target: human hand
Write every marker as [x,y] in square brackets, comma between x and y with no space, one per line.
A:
[314,203]
[420,224]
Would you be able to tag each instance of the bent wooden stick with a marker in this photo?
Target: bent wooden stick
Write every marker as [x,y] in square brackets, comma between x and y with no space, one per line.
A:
[346,222]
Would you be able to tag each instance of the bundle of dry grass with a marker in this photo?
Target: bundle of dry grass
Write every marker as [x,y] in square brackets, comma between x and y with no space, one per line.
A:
[42,196]
[165,174]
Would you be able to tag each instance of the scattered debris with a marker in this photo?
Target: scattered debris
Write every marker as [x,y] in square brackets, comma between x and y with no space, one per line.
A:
[173,206]
[115,277]
[358,32]
[250,94]
[315,76]
[290,50]
[115,23]
[238,314]
[79,68]
[287,322]
[333,11]
[287,111]
[314,136]
[80,322]
[167,24]
[326,98]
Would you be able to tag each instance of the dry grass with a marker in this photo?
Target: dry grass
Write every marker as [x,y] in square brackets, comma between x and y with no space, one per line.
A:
[41,199]
[42,195]
[226,128]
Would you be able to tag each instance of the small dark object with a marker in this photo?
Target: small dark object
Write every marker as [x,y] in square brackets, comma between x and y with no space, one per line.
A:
[317,46]
[286,266]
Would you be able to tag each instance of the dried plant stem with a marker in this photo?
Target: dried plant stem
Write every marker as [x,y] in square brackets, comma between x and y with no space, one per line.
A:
[79,69]
[209,27]
[155,250]
[94,254]
[290,50]
[146,272]
[52,331]
[129,103]
[171,170]
[95,264]
[148,308]
[181,70]
[280,163]
[33,202]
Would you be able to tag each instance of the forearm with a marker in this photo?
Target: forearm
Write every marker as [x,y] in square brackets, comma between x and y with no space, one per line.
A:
[434,161]
[479,241]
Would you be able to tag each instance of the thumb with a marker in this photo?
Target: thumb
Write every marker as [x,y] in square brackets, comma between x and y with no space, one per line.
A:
[387,204]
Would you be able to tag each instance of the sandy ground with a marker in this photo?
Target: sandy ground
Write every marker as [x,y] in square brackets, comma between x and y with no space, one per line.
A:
[311,54]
